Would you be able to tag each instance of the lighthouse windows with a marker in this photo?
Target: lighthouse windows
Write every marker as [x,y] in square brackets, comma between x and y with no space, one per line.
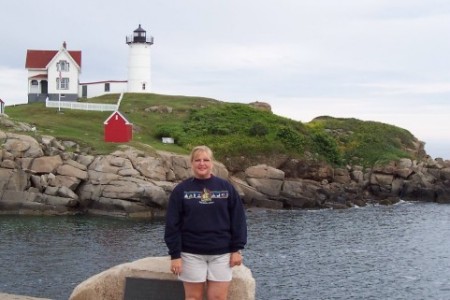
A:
[143,86]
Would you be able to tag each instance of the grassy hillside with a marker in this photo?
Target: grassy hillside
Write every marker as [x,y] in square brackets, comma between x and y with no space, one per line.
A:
[231,129]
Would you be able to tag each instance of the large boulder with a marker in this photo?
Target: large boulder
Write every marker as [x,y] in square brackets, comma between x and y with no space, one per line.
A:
[443,194]
[265,179]
[46,164]
[305,169]
[261,106]
[20,145]
[342,176]
[110,284]
[4,296]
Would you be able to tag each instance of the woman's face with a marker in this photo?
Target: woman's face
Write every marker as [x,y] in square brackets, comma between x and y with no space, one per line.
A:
[202,165]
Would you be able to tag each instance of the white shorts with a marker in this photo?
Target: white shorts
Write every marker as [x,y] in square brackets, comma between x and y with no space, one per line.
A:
[199,268]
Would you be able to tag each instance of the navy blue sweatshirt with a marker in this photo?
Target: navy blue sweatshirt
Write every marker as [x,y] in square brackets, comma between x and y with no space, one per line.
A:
[205,216]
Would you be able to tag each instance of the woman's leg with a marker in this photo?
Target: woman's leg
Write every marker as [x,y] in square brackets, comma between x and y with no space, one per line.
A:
[217,290]
[193,290]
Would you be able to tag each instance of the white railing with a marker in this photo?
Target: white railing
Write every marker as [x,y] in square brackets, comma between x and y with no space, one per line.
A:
[83,105]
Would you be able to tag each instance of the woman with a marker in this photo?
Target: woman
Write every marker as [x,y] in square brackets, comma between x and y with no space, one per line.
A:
[205,230]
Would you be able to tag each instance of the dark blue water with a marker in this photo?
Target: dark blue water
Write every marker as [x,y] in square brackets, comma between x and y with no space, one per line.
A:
[377,252]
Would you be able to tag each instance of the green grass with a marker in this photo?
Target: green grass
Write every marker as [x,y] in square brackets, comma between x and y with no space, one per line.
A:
[230,129]
[366,142]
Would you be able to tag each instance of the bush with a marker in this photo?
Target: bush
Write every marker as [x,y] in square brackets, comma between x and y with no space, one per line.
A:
[173,131]
[291,138]
[326,147]
[258,129]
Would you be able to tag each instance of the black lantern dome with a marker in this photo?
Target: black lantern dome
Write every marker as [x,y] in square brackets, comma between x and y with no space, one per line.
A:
[139,36]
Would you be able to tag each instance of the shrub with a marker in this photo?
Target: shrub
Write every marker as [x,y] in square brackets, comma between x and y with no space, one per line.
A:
[326,147]
[291,138]
[258,129]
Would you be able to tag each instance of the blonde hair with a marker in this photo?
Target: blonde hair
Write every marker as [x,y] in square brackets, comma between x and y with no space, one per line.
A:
[201,148]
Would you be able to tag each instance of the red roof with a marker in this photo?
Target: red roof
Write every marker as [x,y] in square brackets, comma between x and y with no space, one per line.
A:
[118,114]
[39,59]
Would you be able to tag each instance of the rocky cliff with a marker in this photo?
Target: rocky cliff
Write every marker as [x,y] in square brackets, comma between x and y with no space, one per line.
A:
[44,176]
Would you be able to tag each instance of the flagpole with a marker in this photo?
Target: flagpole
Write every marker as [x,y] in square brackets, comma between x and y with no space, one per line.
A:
[59,95]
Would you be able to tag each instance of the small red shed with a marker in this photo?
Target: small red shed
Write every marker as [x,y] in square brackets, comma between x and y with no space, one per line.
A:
[118,129]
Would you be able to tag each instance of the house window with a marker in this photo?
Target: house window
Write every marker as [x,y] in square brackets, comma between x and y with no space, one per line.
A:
[107,87]
[63,84]
[62,65]
[34,82]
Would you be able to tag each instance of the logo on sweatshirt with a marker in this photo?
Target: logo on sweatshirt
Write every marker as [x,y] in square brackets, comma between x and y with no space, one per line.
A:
[206,196]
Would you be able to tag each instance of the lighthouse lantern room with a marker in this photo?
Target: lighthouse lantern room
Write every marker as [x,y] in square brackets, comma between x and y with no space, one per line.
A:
[139,61]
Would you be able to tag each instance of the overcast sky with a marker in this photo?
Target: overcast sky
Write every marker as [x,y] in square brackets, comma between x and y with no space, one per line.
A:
[379,60]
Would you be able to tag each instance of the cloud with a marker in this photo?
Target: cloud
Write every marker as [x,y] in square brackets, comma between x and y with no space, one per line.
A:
[392,89]
[13,86]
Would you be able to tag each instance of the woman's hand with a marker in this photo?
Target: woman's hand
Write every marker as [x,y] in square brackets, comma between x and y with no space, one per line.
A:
[176,266]
[235,259]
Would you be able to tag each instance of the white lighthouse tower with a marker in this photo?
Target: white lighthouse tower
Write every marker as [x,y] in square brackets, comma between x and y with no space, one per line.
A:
[139,61]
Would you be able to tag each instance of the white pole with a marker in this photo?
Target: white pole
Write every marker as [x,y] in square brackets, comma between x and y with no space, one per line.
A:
[59,88]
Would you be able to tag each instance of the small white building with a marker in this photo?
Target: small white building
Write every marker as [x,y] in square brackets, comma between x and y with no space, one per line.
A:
[99,88]
[53,74]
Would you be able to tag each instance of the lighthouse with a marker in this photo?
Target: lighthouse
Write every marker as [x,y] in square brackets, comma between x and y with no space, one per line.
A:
[139,61]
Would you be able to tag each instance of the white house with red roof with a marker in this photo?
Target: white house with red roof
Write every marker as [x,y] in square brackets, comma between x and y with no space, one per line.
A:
[53,73]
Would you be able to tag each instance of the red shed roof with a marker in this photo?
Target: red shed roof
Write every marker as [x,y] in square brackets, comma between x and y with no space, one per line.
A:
[119,114]
[39,59]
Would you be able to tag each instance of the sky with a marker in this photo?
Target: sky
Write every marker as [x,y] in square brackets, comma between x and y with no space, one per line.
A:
[377,60]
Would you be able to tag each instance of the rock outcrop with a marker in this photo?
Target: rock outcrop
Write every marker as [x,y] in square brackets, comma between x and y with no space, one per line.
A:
[49,177]
[110,284]
[4,296]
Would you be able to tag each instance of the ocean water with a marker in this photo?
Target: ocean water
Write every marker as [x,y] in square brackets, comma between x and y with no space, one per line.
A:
[374,252]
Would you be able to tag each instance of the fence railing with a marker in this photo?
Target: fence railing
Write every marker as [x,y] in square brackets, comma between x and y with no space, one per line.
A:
[83,105]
